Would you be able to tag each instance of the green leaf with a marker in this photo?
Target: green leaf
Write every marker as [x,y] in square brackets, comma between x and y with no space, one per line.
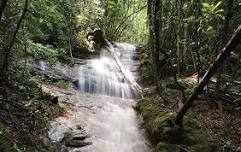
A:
[189,19]
[217,5]
[41,20]
[206,7]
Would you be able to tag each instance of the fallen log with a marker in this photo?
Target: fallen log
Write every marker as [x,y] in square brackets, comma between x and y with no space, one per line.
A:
[224,54]
[134,85]
[101,42]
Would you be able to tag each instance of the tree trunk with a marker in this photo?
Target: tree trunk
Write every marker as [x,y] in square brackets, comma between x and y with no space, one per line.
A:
[3,5]
[224,54]
[70,46]
[151,29]
[7,50]
[134,85]
[197,13]
[70,40]
[178,53]
[224,35]
[155,52]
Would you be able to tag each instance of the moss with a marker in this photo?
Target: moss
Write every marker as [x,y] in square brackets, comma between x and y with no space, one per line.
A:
[161,127]
[165,147]
[63,84]
[188,84]
[157,123]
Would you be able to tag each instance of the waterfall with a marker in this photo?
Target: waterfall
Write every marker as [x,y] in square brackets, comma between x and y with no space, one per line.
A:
[104,76]
[103,105]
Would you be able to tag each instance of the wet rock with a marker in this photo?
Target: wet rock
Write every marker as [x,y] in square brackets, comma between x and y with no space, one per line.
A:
[79,127]
[46,142]
[165,147]
[77,143]
[97,39]
[80,136]
[75,138]
[75,83]
[76,135]
[55,100]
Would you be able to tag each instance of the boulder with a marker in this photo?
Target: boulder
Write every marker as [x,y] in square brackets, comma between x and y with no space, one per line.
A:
[77,143]
[75,138]
[97,39]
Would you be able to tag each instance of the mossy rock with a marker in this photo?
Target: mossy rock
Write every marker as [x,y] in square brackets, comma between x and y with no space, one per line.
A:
[161,127]
[63,84]
[158,124]
[165,147]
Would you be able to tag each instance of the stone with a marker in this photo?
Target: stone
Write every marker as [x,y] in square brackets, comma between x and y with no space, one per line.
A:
[76,83]
[80,136]
[46,142]
[55,100]
[77,143]
[165,147]
[75,138]
[79,127]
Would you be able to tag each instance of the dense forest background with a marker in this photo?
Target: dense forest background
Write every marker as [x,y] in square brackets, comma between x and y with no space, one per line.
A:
[190,32]
[180,40]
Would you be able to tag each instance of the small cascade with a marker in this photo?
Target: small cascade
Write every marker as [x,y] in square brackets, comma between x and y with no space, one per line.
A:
[103,75]
[102,118]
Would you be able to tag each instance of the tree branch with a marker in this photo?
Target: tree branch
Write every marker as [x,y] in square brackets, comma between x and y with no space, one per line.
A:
[224,54]
[127,17]
[3,5]
[7,50]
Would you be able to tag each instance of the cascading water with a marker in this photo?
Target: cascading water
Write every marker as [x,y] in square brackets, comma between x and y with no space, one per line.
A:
[103,105]
[103,75]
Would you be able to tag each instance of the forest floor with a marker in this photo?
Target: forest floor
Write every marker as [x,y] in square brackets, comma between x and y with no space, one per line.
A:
[221,115]
[222,122]
[24,121]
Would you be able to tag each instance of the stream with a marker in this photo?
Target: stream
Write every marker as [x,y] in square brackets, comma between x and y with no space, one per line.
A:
[101,117]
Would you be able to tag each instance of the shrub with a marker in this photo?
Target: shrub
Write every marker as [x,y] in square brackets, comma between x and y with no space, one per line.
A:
[40,51]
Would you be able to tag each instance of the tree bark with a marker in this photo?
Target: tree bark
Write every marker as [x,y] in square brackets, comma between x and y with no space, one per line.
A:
[156,49]
[134,85]
[7,50]
[3,6]
[197,13]
[224,35]
[178,53]
[224,54]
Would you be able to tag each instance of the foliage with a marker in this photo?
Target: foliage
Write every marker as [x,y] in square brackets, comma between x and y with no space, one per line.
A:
[1,131]
[188,84]
[212,17]
[124,20]
[22,81]
[40,51]
[192,33]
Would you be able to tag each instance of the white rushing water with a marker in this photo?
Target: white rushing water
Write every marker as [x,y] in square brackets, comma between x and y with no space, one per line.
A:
[103,75]
[103,105]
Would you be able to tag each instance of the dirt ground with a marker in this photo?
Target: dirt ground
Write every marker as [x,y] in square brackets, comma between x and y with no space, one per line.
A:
[25,122]
[222,121]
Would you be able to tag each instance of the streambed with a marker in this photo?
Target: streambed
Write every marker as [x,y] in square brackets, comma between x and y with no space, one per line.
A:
[101,117]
